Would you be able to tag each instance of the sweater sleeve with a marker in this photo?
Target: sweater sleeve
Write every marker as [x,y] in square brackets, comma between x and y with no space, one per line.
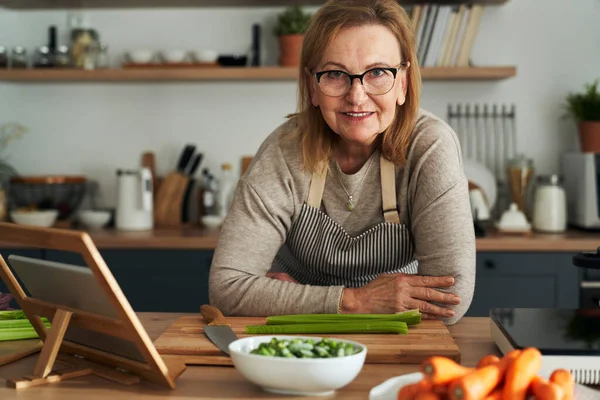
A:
[440,213]
[255,228]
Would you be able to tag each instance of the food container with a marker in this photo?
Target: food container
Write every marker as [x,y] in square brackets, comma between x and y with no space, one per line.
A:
[296,376]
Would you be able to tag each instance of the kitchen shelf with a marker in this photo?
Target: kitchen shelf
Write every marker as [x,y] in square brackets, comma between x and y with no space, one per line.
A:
[225,73]
[49,4]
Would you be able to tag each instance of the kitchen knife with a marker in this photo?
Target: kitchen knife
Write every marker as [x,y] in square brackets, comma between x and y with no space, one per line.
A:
[217,329]
[185,217]
[185,157]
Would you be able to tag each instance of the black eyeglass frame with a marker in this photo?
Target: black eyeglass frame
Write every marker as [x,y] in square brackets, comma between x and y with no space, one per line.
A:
[393,70]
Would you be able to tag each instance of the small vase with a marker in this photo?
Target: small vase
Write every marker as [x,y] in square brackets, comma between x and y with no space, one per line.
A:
[589,136]
[290,48]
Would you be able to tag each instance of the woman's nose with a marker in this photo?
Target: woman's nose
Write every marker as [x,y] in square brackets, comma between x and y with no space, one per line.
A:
[356,94]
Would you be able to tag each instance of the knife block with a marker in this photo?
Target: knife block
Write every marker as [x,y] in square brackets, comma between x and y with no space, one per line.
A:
[169,200]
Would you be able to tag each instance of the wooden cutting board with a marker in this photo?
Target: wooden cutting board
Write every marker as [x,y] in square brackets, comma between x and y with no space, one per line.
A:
[185,339]
[16,349]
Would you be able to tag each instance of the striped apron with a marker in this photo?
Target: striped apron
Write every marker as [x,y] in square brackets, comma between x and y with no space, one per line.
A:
[320,252]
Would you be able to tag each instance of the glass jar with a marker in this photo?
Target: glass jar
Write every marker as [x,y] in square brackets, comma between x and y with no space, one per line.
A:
[62,59]
[43,58]
[3,57]
[550,205]
[19,58]
[102,61]
[520,179]
[90,56]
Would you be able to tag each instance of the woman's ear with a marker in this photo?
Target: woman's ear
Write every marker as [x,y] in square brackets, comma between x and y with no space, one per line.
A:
[403,86]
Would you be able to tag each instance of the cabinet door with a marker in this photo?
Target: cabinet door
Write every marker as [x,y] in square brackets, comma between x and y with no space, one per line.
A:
[162,280]
[514,291]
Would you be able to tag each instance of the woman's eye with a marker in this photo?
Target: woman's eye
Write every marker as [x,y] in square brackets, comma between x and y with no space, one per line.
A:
[334,74]
[376,73]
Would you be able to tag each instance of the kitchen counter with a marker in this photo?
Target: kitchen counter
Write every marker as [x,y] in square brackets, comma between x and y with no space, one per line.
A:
[471,335]
[206,239]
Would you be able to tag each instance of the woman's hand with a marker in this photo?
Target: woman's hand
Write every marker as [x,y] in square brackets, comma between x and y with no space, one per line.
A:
[392,293]
[281,276]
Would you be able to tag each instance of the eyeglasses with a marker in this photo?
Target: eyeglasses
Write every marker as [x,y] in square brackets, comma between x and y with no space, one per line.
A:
[376,81]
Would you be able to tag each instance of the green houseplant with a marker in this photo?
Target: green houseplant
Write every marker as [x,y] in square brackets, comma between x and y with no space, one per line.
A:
[290,27]
[584,108]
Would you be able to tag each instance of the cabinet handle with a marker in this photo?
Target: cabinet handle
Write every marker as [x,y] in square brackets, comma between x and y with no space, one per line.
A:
[489,264]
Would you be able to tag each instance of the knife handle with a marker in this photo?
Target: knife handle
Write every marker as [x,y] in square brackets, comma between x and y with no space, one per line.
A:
[212,315]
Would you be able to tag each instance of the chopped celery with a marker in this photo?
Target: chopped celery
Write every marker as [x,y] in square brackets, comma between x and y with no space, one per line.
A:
[412,317]
[17,334]
[12,314]
[332,327]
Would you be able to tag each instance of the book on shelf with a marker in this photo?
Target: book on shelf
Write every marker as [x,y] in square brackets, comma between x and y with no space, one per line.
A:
[445,34]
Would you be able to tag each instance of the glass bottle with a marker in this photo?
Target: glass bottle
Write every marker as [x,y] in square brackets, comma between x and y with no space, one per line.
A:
[102,60]
[19,58]
[3,57]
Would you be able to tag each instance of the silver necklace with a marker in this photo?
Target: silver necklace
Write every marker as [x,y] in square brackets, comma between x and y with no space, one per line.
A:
[350,203]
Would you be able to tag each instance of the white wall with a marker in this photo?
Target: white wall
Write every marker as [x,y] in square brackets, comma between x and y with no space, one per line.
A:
[94,129]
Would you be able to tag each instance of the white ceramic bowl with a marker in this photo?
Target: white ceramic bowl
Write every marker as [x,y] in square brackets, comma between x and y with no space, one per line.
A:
[41,218]
[94,219]
[141,56]
[295,376]
[206,56]
[174,56]
[211,221]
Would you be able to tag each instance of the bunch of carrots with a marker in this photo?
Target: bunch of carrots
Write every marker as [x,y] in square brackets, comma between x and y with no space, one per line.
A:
[511,377]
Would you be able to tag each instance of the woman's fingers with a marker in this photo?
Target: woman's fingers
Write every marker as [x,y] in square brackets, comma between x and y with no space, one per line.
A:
[431,281]
[430,309]
[432,295]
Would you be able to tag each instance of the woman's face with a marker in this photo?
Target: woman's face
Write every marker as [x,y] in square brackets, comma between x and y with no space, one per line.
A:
[358,116]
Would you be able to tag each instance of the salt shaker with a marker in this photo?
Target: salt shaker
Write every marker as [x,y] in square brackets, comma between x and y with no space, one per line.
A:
[550,205]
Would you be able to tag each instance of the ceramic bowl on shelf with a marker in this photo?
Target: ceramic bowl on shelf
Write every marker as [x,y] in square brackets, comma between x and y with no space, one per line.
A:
[296,376]
[94,219]
[39,218]
[140,56]
[205,56]
[211,221]
[174,56]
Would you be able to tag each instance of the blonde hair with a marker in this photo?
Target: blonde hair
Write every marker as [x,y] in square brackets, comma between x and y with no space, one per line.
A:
[317,139]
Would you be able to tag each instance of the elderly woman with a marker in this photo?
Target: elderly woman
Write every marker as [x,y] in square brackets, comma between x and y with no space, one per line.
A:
[358,203]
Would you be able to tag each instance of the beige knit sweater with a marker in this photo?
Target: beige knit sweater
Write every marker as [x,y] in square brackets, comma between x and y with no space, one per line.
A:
[432,197]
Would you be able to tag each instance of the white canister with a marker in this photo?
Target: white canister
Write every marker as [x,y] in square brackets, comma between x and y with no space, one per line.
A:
[550,205]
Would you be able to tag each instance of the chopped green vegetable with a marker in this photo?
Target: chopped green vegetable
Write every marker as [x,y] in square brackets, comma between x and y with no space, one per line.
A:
[14,325]
[332,327]
[412,317]
[305,348]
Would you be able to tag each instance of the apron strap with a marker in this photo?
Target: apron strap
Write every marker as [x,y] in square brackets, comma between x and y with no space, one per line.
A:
[388,191]
[317,187]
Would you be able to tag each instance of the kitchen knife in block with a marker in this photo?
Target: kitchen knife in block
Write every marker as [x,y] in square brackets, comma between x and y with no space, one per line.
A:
[218,329]
[169,197]
[149,161]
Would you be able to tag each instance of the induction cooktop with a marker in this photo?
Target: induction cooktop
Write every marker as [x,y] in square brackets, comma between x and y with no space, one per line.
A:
[567,338]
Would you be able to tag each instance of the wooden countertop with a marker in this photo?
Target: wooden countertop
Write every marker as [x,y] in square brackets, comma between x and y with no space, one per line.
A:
[471,335]
[206,239]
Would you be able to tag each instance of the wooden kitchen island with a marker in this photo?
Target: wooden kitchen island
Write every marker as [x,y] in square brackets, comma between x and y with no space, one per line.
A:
[471,335]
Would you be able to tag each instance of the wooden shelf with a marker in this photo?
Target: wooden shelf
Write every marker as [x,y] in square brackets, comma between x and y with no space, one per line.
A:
[48,4]
[223,73]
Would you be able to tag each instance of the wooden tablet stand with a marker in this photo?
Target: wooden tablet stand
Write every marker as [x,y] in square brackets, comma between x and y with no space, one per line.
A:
[77,359]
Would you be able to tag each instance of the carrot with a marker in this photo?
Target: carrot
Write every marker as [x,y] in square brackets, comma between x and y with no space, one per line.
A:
[441,370]
[490,359]
[410,391]
[566,381]
[427,396]
[495,395]
[545,390]
[481,382]
[520,374]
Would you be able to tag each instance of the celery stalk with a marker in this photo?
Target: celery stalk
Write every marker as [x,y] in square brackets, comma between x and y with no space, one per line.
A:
[18,334]
[412,317]
[332,327]
[12,314]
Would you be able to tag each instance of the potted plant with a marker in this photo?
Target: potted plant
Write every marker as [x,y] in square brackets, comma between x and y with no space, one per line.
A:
[584,108]
[290,28]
